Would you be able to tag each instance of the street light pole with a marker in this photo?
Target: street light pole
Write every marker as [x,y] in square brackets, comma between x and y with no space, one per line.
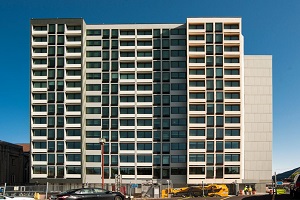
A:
[168,187]
[102,142]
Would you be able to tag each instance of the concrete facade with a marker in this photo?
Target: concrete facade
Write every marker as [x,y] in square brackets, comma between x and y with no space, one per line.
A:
[258,118]
[178,102]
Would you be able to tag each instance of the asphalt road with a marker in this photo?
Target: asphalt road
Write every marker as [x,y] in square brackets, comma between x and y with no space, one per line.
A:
[253,197]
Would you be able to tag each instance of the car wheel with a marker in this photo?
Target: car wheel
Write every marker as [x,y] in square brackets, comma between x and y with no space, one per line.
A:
[118,198]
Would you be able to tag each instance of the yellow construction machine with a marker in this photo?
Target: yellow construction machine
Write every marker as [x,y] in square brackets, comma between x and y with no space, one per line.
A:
[211,190]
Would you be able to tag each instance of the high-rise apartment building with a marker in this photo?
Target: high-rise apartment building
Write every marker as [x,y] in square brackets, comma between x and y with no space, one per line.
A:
[176,102]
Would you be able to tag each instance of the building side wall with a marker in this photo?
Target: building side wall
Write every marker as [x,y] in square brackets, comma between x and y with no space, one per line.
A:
[258,118]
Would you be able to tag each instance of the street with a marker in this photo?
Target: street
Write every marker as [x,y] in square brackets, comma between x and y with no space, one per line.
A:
[253,197]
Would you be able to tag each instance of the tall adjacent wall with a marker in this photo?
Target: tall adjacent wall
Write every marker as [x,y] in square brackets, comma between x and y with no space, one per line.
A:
[258,119]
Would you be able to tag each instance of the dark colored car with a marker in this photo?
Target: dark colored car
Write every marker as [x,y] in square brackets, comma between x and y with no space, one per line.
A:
[90,194]
[295,187]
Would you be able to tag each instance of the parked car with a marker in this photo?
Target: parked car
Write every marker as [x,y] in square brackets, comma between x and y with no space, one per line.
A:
[4,197]
[15,198]
[295,186]
[90,194]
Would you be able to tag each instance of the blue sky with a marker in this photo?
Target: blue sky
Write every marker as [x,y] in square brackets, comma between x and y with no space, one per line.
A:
[269,27]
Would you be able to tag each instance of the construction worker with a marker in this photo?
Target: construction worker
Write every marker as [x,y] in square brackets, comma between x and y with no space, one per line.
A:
[250,190]
[245,190]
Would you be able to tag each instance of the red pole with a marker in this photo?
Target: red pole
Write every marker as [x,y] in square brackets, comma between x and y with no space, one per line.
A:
[102,150]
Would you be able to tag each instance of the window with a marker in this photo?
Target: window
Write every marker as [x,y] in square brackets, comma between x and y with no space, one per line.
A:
[231,71]
[197,132]
[233,107]
[74,38]
[232,132]
[144,158]
[231,37]
[127,87]
[197,170]
[197,83]
[93,134]
[127,122]
[229,95]
[39,157]
[144,54]
[73,120]
[232,120]
[93,54]
[196,37]
[127,32]
[40,61]
[144,134]
[93,32]
[178,53]
[127,76]
[74,27]
[197,157]
[39,132]
[144,122]
[127,111]
[39,169]
[198,95]
[73,132]
[231,60]
[93,87]
[196,60]
[127,54]
[93,43]
[144,98]
[127,98]
[196,49]
[232,145]
[178,110]
[144,43]
[178,98]
[178,42]
[232,157]
[197,145]
[127,171]
[232,83]
[231,48]
[93,146]
[93,98]
[73,145]
[40,39]
[39,145]
[127,146]
[144,146]
[232,170]
[127,43]
[93,122]
[73,170]
[144,110]
[178,31]
[39,120]
[178,159]
[178,146]
[126,134]
[197,107]
[231,26]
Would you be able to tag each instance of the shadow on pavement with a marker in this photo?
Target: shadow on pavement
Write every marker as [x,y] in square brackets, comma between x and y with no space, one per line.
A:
[269,197]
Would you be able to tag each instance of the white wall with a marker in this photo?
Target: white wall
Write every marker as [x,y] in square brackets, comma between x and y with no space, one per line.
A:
[258,118]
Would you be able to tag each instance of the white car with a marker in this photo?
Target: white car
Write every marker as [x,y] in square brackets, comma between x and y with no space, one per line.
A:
[15,198]
[4,197]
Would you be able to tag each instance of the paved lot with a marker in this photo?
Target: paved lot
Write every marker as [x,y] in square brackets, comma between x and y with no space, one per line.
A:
[253,197]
